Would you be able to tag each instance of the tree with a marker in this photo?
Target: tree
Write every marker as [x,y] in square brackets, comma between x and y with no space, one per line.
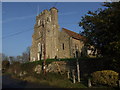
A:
[4,57]
[26,55]
[102,29]
[12,59]
[5,65]
[19,58]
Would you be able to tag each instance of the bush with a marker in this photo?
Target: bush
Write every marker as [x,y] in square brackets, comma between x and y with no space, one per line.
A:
[105,77]
[5,65]
[15,67]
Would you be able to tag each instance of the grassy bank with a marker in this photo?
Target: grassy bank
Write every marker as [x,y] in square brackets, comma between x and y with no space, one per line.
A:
[87,66]
[51,79]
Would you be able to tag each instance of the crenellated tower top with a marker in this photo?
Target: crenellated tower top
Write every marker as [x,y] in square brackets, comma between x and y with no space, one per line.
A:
[47,16]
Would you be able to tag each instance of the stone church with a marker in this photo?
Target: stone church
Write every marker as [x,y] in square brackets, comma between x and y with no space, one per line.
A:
[49,42]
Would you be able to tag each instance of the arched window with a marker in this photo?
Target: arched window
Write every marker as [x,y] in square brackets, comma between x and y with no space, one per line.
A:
[48,19]
[63,46]
[39,47]
[38,22]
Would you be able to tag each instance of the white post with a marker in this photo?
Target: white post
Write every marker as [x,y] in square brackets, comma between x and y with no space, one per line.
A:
[89,83]
[73,73]
[78,71]
[68,74]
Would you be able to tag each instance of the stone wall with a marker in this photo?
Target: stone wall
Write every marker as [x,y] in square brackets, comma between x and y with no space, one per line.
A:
[47,37]
[87,66]
[64,45]
[76,45]
[45,33]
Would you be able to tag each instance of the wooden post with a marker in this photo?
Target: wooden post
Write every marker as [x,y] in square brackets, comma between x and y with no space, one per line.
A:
[118,83]
[73,74]
[44,40]
[68,74]
[89,83]
[44,62]
[119,80]
[78,71]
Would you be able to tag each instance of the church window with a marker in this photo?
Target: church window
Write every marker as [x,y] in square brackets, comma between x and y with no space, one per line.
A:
[43,25]
[34,59]
[39,48]
[76,46]
[38,22]
[48,19]
[48,30]
[63,46]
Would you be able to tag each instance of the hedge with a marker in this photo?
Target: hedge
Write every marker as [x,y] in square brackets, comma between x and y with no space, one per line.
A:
[105,77]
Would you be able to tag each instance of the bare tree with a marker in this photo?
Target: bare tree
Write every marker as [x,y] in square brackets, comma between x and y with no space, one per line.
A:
[26,55]
[19,58]
[4,57]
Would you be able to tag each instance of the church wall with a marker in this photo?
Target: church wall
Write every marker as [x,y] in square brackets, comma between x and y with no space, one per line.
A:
[57,43]
[77,45]
[64,48]
[46,32]
[52,30]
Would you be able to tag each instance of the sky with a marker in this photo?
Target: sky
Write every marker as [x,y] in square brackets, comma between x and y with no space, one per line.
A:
[18,20]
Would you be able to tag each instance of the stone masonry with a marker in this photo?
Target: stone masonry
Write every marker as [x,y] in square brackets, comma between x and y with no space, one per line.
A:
[48,38]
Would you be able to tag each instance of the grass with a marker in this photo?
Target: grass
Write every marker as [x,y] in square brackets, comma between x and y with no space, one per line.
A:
[57,80]
[63,59]
[53,79]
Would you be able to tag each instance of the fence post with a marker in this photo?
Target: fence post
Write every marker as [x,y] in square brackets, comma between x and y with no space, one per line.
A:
[78,71]
[73,74]
[119,80]
[68,74]
[89,82]
[118,83]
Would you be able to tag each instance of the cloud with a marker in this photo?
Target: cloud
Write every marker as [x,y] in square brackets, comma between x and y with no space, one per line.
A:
[17,18]
[68,13]
[27,17]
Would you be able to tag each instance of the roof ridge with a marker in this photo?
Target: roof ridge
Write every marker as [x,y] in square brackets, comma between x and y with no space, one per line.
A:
[73,34]
[70,30]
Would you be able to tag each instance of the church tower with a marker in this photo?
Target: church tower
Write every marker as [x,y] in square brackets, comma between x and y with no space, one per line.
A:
[52,35]
[45,36]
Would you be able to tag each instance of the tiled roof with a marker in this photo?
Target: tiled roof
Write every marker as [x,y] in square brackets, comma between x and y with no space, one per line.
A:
[73,34]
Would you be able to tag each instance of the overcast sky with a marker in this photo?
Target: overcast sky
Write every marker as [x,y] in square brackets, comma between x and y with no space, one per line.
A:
[18,21]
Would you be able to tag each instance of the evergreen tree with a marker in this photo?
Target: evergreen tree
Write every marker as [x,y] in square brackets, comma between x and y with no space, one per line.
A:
[102,29]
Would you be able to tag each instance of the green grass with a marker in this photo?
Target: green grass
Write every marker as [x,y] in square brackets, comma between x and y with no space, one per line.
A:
[62,59]
[53,79]
[57,80]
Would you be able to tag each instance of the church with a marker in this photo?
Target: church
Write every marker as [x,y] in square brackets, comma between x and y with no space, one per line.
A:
[48,42]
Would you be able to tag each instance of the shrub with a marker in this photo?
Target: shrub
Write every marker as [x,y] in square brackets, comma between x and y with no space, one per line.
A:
[5,65]
[105,77]
[15,67]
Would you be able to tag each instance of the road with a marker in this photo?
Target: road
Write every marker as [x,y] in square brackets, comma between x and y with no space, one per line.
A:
[9,82]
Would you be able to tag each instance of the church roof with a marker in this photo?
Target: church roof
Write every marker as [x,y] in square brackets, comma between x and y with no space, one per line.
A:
[73,34]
